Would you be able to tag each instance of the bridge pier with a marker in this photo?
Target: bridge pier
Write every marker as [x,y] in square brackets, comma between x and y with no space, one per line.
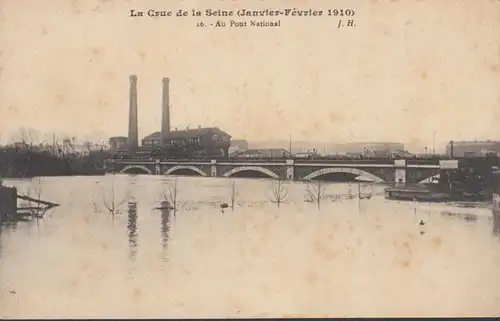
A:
[213,168]
[400,171]
[290,169]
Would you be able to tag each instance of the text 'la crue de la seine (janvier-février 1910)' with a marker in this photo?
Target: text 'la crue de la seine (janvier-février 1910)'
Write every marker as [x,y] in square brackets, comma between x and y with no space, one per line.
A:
[274,14]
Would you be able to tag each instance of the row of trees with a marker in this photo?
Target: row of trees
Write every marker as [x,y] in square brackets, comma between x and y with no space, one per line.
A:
[32,140]
[315,193]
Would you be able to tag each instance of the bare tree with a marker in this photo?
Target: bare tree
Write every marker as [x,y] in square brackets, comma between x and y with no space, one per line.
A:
[112,203]
[172,196]
[349,191]
[316,192]
[280,193]
[234,194]
[88,147]
[27,136]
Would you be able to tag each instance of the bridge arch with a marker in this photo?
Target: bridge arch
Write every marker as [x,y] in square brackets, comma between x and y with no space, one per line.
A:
[188,167]
[251,169]
[429,179]
[140,167]
[354,171]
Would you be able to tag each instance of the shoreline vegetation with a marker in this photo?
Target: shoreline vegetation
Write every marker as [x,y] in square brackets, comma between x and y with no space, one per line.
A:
[18,163]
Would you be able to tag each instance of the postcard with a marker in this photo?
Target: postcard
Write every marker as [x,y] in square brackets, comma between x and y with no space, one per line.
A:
[249,159]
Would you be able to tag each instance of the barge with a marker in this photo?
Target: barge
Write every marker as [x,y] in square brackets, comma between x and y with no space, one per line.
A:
[496,205]
[496,213]
[416,193]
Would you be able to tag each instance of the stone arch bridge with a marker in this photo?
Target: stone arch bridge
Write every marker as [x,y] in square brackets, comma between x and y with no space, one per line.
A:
[380,171]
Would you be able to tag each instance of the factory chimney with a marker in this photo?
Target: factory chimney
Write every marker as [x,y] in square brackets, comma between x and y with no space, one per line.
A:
[165,117]
[133,140]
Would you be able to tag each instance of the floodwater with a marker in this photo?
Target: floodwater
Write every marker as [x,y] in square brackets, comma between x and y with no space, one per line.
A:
[348,258]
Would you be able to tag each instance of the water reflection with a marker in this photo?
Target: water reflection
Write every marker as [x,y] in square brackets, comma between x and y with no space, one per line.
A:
[132,229]
[165,229]
[496,224]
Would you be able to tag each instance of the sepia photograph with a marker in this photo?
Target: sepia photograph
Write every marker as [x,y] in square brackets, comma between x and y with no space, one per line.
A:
[249,159]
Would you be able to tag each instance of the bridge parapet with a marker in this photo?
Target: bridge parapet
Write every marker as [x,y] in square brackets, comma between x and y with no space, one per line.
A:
[399,171]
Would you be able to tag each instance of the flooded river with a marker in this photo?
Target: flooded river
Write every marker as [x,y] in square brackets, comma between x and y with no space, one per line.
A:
[348,257]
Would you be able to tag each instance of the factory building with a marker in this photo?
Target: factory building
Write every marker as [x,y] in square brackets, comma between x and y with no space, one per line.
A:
[118,142]
[204,141]
[472,148]
[207,141]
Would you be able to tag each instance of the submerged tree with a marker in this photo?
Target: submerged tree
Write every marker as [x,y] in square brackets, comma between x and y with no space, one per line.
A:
[112,203]
[280,193]
[316,192]
[234,194]
[172,196]
[33,193]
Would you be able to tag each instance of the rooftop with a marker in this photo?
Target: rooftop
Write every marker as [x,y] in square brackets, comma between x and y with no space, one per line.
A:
[187,133]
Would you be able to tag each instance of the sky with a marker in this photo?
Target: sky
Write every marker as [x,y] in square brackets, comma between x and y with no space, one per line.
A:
[409,70]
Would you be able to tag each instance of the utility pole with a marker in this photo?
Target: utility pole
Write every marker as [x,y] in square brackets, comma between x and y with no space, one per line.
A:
[434,142]
[53,144]
[290,144]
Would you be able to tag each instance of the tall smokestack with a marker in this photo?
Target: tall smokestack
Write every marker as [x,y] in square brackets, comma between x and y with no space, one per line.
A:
[165,116]
[133,140]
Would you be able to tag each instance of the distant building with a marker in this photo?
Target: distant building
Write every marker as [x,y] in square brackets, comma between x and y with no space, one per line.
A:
[209,140]
[241,144]
[472,148]
[118,142]
[263,153]
[373,148]
[67,147]
[237,146]
[19,145]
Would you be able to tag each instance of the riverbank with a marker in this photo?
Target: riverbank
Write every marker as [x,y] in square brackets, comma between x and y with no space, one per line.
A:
[25,164]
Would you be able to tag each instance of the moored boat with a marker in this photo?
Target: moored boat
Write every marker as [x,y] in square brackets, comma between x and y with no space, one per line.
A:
[416,193]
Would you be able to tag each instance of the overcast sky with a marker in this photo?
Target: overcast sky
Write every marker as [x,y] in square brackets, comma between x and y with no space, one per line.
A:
[407,69]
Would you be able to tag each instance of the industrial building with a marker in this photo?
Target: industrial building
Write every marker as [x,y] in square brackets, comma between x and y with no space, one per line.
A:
[118,142]
[472,148]
[207,141]
[204,141]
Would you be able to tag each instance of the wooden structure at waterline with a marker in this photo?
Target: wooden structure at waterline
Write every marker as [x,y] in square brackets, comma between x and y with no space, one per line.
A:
[8,203]
[10,211]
